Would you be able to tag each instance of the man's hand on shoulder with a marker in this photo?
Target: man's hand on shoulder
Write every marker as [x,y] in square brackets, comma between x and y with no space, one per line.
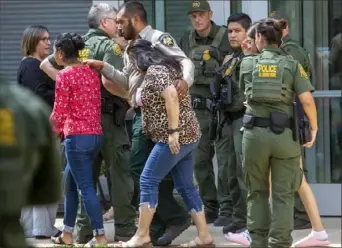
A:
[95,64]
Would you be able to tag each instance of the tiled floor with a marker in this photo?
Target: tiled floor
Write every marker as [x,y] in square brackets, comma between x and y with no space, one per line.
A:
[332,225]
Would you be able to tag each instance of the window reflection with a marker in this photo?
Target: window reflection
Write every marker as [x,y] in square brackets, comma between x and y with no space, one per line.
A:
[322,37]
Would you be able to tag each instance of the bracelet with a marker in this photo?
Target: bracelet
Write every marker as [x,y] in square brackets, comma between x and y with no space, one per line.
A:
[172,130]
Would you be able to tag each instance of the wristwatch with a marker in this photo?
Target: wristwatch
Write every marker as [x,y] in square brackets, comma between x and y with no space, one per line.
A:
[172,130]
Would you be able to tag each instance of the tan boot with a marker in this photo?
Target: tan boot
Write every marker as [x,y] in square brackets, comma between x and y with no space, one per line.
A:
[204,238]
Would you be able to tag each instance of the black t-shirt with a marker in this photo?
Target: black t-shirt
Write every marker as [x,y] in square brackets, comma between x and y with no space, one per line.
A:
[31,76]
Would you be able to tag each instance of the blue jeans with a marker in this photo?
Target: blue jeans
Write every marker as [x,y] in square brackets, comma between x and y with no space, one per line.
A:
[160,162]
[80,152]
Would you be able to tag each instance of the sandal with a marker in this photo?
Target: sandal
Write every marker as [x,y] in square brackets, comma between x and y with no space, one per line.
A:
[109,215]
[197,242]
[59,241]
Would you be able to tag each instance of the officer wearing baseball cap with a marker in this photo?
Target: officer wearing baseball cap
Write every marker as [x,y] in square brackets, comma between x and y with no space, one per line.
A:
[207,45]
[199,6]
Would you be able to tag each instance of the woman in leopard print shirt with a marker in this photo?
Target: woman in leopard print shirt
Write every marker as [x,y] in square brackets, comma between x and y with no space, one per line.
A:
[170,121]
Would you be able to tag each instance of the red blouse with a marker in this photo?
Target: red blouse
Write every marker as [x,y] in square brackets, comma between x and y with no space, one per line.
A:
[77,108]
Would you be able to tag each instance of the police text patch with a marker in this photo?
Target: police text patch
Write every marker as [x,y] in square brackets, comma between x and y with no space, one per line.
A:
[302,72]
[166,40]
[267,71]
[7,128]
[83,54]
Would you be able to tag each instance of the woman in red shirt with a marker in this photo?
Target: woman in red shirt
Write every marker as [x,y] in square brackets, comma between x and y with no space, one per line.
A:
[77,117]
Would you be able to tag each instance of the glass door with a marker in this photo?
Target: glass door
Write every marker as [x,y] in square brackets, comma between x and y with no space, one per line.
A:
[322,37]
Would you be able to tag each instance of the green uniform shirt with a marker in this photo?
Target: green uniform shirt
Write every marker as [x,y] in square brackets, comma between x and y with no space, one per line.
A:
[297,76]
[30,165]
[224,49]
[99,46]
[295,50]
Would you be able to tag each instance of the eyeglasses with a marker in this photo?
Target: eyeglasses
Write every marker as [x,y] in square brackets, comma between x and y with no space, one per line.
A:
[113,19]
[45,39]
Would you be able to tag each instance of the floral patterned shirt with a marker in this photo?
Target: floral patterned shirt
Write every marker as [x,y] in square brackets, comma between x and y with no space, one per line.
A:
[154,115]
[77,108]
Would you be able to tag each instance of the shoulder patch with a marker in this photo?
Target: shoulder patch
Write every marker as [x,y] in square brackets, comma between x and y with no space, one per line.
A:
[302,72]
[117,49]
[7,128]
[166,40]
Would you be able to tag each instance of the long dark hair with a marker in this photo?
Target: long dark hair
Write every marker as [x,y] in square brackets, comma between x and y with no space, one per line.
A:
[146,55]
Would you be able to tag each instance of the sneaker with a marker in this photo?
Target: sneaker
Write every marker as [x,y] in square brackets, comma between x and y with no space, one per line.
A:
[242,238]
[311,241]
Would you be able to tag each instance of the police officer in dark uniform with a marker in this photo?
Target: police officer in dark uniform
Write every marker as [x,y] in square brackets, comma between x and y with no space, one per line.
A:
[207,45]
[116,146]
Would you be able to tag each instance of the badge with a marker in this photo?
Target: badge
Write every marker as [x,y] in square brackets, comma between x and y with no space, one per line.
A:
[272,14]
[166,40]
[117,49]
[7,130]
[206,55]
[83,54]
[302,72]
[196,4]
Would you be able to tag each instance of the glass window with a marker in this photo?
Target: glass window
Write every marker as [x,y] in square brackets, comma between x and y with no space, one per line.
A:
[322,37]
[150,9]
[177,20]
[235,6]
[291,10]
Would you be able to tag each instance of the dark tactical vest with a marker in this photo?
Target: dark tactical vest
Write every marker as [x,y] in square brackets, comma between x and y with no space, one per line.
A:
[206,58]
[230,81]
[267,84]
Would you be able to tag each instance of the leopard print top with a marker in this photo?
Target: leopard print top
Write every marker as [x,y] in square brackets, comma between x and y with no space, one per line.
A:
[154,115]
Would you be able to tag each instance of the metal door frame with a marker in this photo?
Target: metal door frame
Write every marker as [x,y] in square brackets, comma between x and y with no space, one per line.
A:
[328,195]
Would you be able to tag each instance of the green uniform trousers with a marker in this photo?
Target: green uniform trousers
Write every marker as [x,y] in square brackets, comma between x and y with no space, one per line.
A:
[204,169]
[264,151]
[116,155]
[229,157]
[168,212]
[11,232]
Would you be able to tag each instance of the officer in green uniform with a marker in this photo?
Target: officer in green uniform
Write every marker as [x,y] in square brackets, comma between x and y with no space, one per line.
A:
[231,111]
[270,81]
[299,53]
[170,219]
[30,165]
[116,145]
[207,45]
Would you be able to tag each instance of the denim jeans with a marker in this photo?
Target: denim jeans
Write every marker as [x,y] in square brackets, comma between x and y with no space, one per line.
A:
[80,152]
[160,162]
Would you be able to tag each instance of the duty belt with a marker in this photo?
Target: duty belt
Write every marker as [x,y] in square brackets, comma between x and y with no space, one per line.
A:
[107,106]
[265,122]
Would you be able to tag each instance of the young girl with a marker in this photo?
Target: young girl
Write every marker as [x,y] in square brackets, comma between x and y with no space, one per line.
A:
[77,117]
[318,235]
